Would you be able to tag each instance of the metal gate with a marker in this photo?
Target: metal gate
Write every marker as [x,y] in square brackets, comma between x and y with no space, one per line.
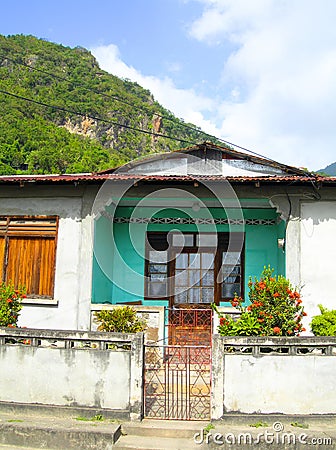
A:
[177,382]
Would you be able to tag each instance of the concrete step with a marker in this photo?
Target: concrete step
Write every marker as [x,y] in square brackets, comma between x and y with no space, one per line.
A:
[163,428]
[158,443]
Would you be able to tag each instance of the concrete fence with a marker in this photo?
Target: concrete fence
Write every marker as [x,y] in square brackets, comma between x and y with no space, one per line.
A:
[72,368]
[105,371]
[273,375]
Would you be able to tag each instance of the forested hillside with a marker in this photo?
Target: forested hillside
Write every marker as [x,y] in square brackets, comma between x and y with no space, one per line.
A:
[329,171]
[60,113]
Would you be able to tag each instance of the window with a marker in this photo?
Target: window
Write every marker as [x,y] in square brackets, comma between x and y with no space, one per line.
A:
[231,274]
[194,268]
[28,252]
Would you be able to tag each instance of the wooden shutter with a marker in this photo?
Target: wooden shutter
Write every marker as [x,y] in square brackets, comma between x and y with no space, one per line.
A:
[3,227]
[31,251]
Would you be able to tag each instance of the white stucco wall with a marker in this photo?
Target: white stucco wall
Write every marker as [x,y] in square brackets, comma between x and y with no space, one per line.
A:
[279,384]
[318,255]
[70,307]
[65,377]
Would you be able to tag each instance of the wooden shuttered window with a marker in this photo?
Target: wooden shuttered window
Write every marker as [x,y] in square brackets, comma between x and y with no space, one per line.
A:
[28,252]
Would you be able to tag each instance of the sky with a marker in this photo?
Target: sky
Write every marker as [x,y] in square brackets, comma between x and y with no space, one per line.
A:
[258,73]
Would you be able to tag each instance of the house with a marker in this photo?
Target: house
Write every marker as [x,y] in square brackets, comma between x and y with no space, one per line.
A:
[168,232]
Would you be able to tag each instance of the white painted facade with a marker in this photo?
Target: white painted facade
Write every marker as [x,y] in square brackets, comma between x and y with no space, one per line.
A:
[69,309]
[318,254]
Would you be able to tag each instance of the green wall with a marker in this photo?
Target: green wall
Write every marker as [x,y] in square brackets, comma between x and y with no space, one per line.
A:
[121,257]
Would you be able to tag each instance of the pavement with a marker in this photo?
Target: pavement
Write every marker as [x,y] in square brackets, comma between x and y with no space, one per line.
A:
[53,429]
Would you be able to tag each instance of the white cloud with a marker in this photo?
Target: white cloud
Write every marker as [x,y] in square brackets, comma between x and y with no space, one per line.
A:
[185,103]
[284,70]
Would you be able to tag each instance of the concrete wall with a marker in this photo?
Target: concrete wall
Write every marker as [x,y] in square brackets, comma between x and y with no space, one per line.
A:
[70,306]
[318,254]
[98,370]
[273,375]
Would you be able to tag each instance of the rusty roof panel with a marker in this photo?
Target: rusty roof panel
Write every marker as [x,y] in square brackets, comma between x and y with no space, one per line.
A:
[100,178]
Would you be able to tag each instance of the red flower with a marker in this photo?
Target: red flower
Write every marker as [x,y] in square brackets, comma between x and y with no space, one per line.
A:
[276,294]
[296,295]
[304,313]
[303,329]
[223,321]
[9,300]
[262,285]
[298,302]
[234,303]
[276,330]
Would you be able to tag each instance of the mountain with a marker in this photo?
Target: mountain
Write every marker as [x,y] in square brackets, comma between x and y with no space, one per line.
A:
[60,113]
[330,170]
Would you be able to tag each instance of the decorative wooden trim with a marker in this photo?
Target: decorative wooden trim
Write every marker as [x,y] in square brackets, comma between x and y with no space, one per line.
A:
[194,221]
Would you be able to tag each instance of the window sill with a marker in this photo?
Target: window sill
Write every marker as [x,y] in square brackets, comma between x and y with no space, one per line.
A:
[40,301]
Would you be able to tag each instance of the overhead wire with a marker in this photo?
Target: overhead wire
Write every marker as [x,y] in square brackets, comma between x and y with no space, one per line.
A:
[100,119]
[112,97]
[116,98]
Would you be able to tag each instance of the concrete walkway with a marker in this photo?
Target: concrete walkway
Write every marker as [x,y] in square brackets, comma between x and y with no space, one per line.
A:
[33,430]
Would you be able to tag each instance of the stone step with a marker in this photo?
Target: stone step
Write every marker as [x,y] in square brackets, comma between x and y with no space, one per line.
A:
[158,443]
[164,428]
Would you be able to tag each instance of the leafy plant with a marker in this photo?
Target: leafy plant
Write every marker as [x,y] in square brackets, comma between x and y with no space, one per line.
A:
[122,319]
[275,309]
[325,323]
[10,304]
[208,428]
[246,325]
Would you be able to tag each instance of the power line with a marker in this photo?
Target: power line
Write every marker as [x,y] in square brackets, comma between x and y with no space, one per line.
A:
[116,98]
[112,122]
[113,97]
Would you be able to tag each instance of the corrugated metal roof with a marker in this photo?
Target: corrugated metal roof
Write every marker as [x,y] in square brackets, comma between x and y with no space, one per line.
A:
[100,178]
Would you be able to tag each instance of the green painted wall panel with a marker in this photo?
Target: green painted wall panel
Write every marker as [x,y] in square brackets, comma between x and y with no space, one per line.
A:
[119,250]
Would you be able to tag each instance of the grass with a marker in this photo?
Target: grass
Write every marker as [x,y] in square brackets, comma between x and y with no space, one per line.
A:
[96,418]
[258,424]
[299,425]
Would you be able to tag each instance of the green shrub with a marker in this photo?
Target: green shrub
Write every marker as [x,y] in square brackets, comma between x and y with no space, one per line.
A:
[122,319]
[275,310]
[325,323]
[10,304]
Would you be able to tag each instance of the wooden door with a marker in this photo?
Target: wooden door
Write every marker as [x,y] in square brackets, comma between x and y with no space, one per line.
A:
[190,318]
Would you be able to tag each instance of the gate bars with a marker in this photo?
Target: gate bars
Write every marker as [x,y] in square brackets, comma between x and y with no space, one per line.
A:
[177,382]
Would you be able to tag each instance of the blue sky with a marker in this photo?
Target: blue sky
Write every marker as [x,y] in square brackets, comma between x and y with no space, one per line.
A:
[259,73]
